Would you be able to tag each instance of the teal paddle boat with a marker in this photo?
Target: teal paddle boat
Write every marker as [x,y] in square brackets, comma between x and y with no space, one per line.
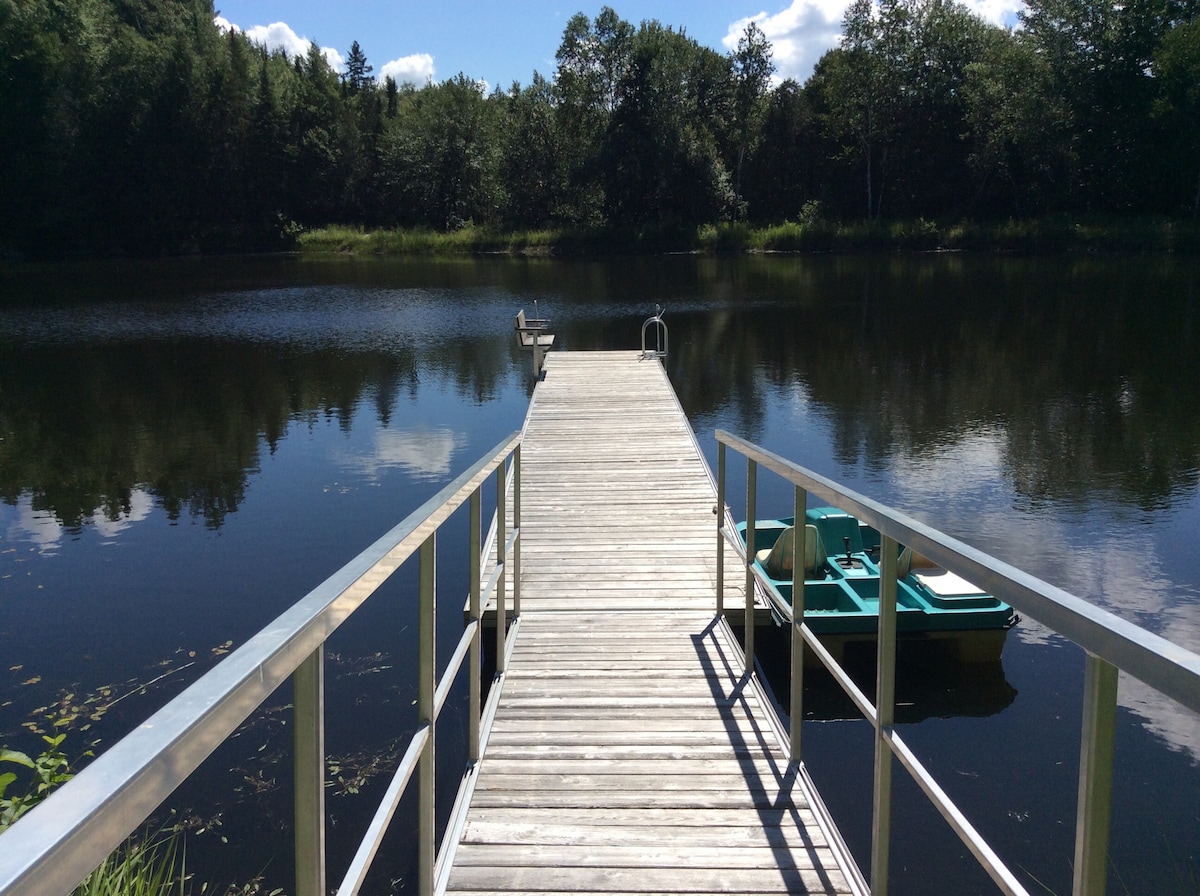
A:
[935,609]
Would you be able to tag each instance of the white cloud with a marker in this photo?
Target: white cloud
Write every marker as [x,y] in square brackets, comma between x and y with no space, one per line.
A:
[416,69]
[279,36]
[799,35]
[805,30]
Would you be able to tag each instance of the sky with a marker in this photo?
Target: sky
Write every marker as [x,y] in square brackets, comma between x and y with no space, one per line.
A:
[502,41]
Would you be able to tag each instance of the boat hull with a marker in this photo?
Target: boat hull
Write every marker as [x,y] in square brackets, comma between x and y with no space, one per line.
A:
[936,610]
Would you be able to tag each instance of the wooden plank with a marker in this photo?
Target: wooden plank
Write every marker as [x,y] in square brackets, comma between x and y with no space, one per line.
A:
[574,832]
[544,878]
[643,855]
[628,754]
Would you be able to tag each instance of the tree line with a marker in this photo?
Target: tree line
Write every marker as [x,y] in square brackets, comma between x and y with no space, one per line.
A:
[139,126]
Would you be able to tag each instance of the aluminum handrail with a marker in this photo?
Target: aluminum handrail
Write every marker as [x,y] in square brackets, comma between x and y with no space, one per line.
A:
[1110,643]
[1165,666]
[58,843]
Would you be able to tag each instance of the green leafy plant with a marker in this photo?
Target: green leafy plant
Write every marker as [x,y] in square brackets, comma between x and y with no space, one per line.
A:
[50,769]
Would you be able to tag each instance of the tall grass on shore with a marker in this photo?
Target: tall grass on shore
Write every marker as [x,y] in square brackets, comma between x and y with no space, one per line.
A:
[809,233]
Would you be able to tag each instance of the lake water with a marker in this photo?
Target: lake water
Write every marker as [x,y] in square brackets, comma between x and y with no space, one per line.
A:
[188,447]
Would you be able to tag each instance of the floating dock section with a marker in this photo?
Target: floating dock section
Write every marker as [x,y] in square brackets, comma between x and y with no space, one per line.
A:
[628,752]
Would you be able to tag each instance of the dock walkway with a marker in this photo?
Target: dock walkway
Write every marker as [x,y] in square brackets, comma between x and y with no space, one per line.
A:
[628,753]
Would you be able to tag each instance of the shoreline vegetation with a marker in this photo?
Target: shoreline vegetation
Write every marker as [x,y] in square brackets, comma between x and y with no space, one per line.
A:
[813,236]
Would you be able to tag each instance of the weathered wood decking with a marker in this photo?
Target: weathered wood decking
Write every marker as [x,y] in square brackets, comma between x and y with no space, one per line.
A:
[628,753]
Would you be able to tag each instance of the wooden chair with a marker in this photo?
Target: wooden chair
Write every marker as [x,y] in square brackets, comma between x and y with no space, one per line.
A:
[531,331]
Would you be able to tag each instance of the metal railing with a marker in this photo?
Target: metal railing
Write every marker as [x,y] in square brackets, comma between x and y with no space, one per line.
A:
[57,844]
[660,335]
[1110,643]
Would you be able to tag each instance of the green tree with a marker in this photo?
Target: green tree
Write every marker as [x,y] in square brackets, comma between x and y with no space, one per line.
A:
[1101,55]
[752,70]
[856,82]
[591,61]
[440,156]
[358,72]
[1021,143]
[532,167]
[1177,70]
[661,162]
[781,170]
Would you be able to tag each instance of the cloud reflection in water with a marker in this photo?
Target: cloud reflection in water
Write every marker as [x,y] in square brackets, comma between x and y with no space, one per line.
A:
[1118,567]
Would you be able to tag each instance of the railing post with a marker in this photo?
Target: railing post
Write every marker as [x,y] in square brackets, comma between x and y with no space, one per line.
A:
[720,511]
[501,560]
[476,686]
[751,510]
[796,703]
[426,685]
[516,579]
[885,713]
[1095,776]
[308,683]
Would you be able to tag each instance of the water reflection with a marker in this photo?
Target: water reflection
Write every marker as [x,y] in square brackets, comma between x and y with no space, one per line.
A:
[1040,409]
[44,529]
[422,453]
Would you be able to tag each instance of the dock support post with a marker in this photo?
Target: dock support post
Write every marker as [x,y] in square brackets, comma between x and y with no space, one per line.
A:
[1095,776]
[501,565]
[476,686]
[537,355]
[885,716]
[720,512]
[516,577]
[309,747]
[751,510]
[426,684]
[796,703]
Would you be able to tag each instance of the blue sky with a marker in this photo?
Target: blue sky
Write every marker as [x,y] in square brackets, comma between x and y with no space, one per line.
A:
[506,40]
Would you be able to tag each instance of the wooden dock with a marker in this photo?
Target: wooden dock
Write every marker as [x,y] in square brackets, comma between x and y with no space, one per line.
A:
[628,753]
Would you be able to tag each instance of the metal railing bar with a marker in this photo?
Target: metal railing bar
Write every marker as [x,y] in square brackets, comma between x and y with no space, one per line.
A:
[722,513]
[1096,755]
[501,569]
[60,841]
[864,704]
[458,813]
[361,863]
[958,822]
[796,633]
[515,476]
[885,710]
[1169,668]
[751,547]
[450,673]
[475,685]
[426,686]
[308,758]
[860,699]
[490,586]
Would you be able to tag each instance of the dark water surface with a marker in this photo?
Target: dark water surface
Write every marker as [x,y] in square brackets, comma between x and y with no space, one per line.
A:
[188,447]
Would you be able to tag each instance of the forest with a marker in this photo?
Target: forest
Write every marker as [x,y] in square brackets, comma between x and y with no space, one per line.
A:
[140,127]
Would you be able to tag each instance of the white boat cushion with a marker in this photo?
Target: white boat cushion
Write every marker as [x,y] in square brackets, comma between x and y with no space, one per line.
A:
[944,583]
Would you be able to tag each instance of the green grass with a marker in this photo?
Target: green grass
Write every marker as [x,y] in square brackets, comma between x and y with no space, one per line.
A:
[809,234]
[146,865]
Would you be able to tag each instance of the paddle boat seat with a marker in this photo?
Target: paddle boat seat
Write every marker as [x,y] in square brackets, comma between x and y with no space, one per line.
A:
[776,560]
